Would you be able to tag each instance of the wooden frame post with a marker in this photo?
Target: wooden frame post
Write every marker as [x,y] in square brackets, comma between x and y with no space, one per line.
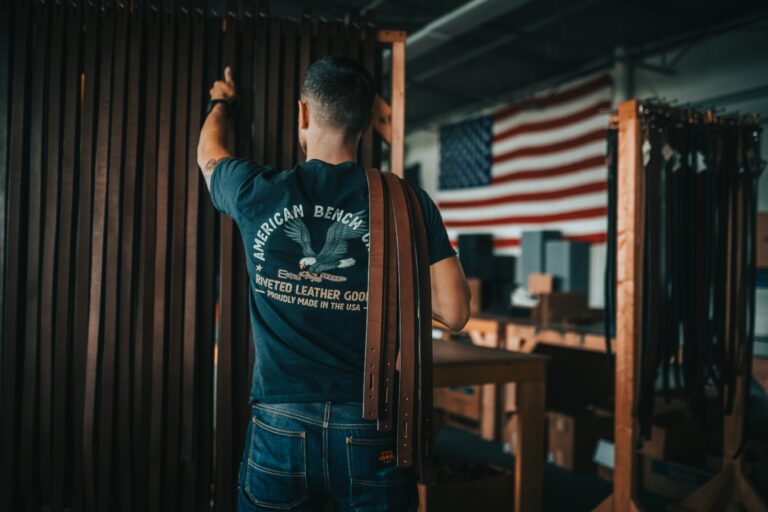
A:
[389,120]
[629,279]
[731,489]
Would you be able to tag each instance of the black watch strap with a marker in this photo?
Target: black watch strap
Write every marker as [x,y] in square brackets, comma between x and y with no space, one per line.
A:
[228,106]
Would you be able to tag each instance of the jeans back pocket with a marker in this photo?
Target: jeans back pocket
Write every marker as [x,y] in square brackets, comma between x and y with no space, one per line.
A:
[375,481]
[276,472]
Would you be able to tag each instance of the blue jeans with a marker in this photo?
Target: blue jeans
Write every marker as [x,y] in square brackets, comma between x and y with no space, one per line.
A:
[299,456]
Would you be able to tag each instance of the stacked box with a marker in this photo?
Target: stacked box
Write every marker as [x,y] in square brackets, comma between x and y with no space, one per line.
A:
[568,263]
[499,291]
[534,252]
[476,255]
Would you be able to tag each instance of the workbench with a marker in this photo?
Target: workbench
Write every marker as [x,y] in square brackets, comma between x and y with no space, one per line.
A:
[522,335]
[459,364]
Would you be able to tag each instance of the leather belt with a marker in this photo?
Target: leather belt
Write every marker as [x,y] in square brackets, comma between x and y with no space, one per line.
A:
[178,197]
[424,340]
[142,357]
[227,332]
[53,168]
[207,299]
[97,255]
[126,330]
[61,389]
[34,246]
[191,312]
[289,59]
[83,252]
[398,279]
[105,495]
[8,458]
[162,235]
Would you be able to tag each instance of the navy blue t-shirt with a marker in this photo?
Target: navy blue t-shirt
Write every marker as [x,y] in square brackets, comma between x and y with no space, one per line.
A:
[305,232]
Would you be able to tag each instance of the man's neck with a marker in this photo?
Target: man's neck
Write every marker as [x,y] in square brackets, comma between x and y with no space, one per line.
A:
[332,150]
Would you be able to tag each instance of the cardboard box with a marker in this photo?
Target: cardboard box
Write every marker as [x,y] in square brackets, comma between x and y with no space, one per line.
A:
[760,371]
[533,246]
[762,240]
[540,283]
[670,479]
[605,452]
[491,493]
[558,307]
[676,437]
[476,255]
[604,473]
[568,262]
[463,401]
[573,437]
[474,409]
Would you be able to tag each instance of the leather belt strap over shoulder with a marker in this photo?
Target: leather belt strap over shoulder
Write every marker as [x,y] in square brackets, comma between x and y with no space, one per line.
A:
[399,319]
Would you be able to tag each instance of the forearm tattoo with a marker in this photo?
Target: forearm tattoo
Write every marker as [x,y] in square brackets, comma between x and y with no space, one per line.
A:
[208,170]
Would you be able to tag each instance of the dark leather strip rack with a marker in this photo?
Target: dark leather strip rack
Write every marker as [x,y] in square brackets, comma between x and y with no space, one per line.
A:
[399,321]
[116,273]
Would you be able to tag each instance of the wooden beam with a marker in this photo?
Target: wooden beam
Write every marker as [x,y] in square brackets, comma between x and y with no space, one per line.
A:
[629,302]
[391,36]
[397,149]
[382,119]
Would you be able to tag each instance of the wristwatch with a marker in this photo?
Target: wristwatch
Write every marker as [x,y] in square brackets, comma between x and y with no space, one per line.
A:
[228,106]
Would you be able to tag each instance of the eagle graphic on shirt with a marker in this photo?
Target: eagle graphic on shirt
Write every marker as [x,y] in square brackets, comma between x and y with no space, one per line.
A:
[336,243]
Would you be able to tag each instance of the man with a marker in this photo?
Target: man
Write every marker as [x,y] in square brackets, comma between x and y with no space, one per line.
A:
[305,232]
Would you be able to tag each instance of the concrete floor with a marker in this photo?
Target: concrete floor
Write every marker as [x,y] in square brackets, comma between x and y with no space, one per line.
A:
[563,490]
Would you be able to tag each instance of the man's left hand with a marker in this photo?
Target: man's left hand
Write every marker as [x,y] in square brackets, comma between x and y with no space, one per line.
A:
[224,89]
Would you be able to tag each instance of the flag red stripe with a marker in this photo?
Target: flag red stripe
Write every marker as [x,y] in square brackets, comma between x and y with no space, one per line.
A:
[530,219]
[587,163]
[553,123]
[504,243]
[556,98]
[586,188]
[551,148]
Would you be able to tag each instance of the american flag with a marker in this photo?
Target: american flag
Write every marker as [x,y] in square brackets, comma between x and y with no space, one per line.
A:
[539,164]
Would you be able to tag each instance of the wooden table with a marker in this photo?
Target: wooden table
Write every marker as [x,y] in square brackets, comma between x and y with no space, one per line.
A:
[523,335]
[458,364]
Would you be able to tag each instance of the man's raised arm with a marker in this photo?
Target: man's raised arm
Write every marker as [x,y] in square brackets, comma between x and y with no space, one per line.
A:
[212,146]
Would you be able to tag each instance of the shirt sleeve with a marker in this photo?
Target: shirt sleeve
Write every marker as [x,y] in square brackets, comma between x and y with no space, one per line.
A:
[437,237]
[229,179]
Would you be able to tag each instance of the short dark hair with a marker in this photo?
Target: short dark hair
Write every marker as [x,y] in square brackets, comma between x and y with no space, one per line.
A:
[341,92]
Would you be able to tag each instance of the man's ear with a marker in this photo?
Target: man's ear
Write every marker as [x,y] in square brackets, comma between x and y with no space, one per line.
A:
[303,115]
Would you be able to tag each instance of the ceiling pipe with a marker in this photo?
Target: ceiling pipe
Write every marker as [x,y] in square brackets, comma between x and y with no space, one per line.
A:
[457,22]
[499,41]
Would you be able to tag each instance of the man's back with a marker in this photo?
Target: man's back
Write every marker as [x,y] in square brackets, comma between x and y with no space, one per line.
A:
[305,232]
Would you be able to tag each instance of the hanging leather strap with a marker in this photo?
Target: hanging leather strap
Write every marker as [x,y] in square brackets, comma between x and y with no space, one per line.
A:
[375,314]
[162,235]
[34,251]
[127,331]
[83,249]
[97,257]
[424,332]
[399,318]
[389,342]
[406,424]
[52,148]
[61,388]
[112,307]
